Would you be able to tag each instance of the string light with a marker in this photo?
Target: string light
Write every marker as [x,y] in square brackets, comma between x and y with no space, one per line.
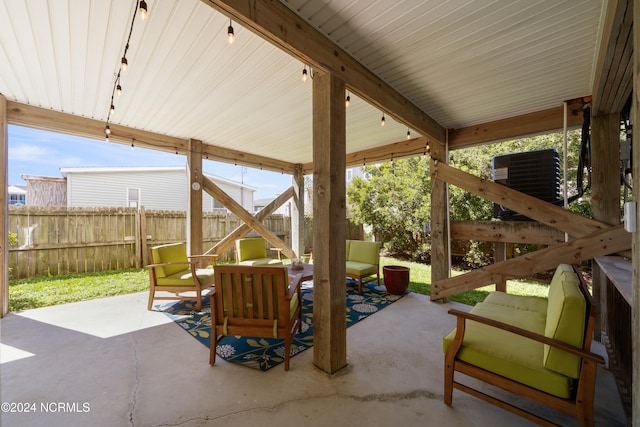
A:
[143,10]
[305,75]
[382,121]
[348,100]
[230,35]
[408,134]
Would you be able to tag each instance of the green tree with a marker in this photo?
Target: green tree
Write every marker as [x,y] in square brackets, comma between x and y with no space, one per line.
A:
[395,197]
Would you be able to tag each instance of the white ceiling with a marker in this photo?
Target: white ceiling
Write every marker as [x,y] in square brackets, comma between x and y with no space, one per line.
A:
[462,62]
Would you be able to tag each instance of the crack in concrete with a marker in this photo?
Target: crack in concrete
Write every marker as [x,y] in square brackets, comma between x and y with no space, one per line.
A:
[137,381]
[376,397]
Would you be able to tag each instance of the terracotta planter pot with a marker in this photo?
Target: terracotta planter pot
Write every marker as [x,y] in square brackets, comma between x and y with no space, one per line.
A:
[396,279]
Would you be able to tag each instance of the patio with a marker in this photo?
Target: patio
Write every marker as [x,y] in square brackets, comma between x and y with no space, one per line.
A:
[136,367]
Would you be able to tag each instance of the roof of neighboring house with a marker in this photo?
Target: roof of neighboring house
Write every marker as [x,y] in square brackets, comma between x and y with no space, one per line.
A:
[17,189]
[142,169]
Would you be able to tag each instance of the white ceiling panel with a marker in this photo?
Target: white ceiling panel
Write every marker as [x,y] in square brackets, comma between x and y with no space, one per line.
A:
[462,62]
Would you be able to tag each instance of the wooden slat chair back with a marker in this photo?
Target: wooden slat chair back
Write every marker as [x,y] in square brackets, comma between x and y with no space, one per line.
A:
[257,302]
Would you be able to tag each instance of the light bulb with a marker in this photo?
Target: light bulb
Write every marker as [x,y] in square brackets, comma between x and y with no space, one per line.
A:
[112,109]
[107,130]
[230,35]
[382,121]
[124,64]
[106,138]
[305,75]
[348,101]
[408,134]
[132,146]
[119,90]
[143,10]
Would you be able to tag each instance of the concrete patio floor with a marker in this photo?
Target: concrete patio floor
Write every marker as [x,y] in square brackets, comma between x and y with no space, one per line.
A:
[110,362]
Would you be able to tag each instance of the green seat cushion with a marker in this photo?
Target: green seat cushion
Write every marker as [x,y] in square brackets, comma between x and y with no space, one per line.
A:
[261,262]
[566,314]
[539,305]
[174,252]
[364,252]
[360,269]
[507,354]
[184,278]
[251,249]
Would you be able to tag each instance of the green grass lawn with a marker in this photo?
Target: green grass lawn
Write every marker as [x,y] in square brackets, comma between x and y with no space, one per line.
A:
[45,291]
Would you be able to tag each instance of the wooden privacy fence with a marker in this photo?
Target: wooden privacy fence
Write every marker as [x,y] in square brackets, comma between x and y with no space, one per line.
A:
[54,241]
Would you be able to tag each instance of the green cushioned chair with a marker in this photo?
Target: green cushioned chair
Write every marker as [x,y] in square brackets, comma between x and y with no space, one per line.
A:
[253,251]
[363,260]
[537,349]
[257,302]
[173,271]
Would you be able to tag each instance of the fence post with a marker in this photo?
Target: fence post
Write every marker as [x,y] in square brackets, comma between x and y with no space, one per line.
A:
[143,235]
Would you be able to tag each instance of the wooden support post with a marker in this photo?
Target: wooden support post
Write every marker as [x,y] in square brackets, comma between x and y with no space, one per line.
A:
[194,190]
[500,254]
[440,239]
[4,201]
[605,193]
[297,212]
[329,228]
[635,238]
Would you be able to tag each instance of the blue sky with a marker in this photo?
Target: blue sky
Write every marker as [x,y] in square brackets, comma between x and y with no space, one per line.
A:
[37,152]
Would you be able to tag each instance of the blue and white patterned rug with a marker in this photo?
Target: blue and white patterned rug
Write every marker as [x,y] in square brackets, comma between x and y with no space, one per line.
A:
[265,353]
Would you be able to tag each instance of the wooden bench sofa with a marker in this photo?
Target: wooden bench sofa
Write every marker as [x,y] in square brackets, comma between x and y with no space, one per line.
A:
[536,348]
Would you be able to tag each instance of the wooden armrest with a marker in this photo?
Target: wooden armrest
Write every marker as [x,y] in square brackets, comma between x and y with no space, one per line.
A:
[171,263]
[212,257]
[462,315]
[294,284]
[279,250]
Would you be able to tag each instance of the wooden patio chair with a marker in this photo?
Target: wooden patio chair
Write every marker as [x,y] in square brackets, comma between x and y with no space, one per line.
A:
[253,251]
[173,271]
[258,302]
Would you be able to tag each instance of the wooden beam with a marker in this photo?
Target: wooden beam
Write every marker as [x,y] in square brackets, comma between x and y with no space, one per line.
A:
[329,226]
[604,242]
[506,232]
[535,123]
[635,236]
[440,229]
[41,118]
[194,197]
[4,202]
[243,229]
[612,82]
[541,211]
[297,212]
[278,24]
[235,208]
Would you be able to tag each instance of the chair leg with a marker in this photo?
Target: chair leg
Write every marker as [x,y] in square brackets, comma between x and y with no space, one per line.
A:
[199,299]
[448,381]
[151,295]
[359,285]
[212,347]
[287,352]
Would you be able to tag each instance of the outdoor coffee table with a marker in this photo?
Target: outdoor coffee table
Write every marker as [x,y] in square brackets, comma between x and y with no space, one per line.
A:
[307,271]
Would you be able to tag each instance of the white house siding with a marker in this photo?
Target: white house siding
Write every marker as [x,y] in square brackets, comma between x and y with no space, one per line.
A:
[159,188]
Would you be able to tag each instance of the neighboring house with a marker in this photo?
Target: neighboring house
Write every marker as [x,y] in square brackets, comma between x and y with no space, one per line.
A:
[259,204]
[156,188]
[352,173]
[17,195]
[45,190]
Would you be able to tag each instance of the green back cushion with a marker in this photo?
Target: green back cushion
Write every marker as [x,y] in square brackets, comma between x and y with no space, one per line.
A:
[174,252]
[251,248]
[566,313]
[364,252]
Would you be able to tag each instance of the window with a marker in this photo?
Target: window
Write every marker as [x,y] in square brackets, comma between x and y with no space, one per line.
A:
[217,206]
[133,197]
[17,199]
[349,175]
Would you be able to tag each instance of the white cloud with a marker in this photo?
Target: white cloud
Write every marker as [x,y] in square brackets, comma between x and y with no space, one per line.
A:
[29,153]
